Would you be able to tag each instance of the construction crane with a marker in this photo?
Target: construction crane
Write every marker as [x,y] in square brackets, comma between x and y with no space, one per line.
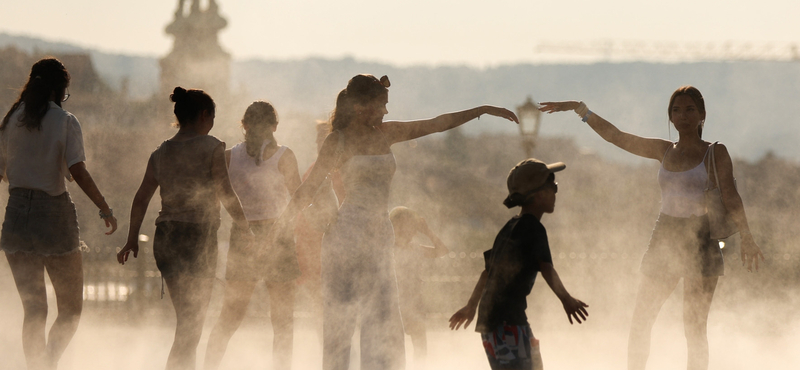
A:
[668,51]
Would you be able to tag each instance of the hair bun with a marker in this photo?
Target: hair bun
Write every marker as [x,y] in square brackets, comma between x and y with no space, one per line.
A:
[178,94]
[514,200]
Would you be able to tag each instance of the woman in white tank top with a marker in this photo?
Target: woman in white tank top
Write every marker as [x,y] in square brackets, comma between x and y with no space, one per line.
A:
[680,246]
[263,175]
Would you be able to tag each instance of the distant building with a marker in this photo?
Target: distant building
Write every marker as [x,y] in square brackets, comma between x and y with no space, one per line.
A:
[197,60]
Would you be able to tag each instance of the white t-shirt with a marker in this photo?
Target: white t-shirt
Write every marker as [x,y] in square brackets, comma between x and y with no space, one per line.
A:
[40,159]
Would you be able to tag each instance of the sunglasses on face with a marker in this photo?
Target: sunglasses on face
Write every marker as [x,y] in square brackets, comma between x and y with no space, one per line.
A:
[549,184]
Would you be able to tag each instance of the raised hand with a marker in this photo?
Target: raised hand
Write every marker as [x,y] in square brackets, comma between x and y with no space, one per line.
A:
[558,106]
[500,112]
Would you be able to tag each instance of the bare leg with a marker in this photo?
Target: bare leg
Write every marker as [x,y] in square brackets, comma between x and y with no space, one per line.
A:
[66,274]
[697,296]
[190,296]
[281,303]
[234,307]
[28,271]
[653,292]
[415,328]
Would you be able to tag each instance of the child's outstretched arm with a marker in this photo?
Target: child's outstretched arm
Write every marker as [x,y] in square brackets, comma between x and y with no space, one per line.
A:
[439,249]
[574,307]
[467,313]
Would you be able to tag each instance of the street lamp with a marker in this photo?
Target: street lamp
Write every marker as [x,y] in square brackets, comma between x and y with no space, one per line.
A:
[529,122]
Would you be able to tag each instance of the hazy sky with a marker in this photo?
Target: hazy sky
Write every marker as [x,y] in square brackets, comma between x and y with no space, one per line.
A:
[478,33]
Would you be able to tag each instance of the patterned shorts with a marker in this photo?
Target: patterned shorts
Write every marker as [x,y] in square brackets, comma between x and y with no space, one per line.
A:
[509,347]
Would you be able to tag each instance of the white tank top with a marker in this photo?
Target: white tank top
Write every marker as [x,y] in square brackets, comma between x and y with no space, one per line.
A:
[261,188]
[683,193]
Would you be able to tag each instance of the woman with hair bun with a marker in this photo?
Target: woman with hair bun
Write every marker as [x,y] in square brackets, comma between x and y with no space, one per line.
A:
[264,175]
[681,246]
[190,169]
[357,275]
[41,144]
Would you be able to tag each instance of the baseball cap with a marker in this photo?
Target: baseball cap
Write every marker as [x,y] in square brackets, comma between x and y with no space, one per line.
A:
[526,177]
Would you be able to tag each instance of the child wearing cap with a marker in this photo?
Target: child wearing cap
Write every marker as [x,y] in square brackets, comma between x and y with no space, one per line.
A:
[520,250]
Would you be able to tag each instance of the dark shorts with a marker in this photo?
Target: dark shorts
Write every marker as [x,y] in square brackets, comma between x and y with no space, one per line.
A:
[186,248]
[272,263]
[681,247]
[37,222]
[509,347]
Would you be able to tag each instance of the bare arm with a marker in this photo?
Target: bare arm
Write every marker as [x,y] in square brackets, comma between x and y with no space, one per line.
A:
[466,314]
[439,249]
[138,209]
[573,307]
[652,148]
[219,173]
[291,173]
[326,162]
[86,183]
[750,251]
[397,131]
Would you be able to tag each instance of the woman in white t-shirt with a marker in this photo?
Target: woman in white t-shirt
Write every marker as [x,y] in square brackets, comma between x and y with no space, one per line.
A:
[40,145]
[264,175]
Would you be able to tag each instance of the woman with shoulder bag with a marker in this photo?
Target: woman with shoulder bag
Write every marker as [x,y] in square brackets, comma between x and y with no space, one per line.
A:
[681,244]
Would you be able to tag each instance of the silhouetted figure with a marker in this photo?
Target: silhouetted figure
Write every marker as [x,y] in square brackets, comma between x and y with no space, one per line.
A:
[408,256]
[308,236]
[520,251]
[681,246]
[357,277]
[41,144]
[190,169]
[263,175]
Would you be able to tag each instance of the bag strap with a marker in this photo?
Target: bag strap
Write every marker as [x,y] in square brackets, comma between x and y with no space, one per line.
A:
[713,166]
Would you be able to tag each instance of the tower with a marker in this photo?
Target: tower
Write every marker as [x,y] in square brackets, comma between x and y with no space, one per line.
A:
[197,60]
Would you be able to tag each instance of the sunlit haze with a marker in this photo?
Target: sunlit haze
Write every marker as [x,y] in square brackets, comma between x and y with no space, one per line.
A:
[410,32]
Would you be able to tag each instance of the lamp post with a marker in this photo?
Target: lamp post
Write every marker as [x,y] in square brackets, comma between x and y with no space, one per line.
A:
[529,122]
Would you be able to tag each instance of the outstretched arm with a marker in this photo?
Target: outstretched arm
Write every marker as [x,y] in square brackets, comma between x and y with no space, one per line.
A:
[642,146]
[467,313]
[573,307]
[397,131]
[86,183]
[138,210]
[750,251]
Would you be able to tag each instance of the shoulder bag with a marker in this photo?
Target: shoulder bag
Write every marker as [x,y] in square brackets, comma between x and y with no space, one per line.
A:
[720,221]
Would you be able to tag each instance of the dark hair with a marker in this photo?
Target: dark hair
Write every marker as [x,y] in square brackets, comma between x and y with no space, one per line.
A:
[189,104]
[361,89]
[259,118]
[47,76]
[696,96]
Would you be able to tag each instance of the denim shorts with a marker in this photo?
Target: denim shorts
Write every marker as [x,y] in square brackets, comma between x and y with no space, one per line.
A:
[39,223]
[186,248]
